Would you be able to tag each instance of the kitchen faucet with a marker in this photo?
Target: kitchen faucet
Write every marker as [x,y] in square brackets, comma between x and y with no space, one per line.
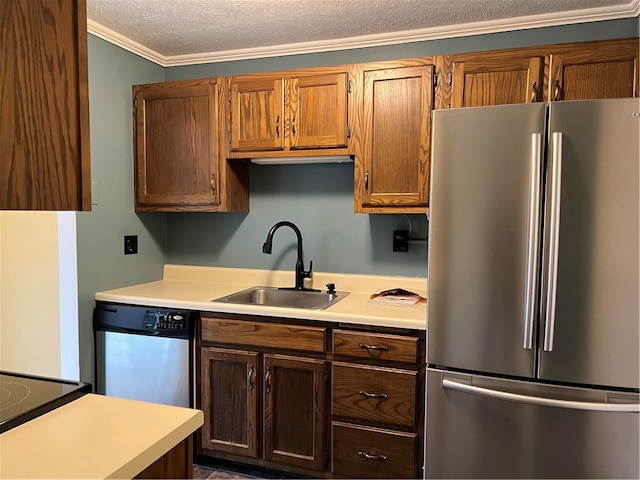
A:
[300,272]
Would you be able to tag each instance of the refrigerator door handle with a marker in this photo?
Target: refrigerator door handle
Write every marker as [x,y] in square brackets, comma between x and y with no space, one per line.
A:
[542,401]
[554,235]
[533,235]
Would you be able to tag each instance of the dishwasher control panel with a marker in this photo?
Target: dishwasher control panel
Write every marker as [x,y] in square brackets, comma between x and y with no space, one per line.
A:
[164,320]
[143,320]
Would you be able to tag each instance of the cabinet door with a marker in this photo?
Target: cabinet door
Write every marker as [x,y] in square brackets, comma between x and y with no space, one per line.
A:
[496,79]
[229,400]
[44,106]
[294,397]
[257,121]
[603,70]
[176,145]
[318,111]
[396,138]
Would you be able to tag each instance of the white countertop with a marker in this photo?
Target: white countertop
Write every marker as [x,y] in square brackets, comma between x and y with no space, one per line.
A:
[95,437]
[194,288]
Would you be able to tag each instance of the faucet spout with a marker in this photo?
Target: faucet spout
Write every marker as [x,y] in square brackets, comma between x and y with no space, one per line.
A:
[301,274]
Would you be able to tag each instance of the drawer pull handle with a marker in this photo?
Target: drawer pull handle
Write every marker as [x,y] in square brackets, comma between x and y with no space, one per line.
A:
[382,348]
[373,395]
[370,456]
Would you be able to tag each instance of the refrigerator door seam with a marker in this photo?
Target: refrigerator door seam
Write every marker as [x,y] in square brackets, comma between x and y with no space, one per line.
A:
[542,401]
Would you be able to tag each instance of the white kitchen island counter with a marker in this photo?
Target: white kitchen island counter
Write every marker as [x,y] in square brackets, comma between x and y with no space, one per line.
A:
[95,437]
[194,288]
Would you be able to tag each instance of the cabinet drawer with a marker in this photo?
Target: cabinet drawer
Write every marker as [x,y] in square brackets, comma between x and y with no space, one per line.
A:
[264,334]
[386,395]
[368,452]
[376,346]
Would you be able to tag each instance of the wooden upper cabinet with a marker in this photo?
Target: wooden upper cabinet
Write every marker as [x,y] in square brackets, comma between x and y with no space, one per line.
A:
[392,165]
[44,107]
[496,79]
[276,114]
[177,164]
[318,111]
[584,71]
[257,114]
[176,144]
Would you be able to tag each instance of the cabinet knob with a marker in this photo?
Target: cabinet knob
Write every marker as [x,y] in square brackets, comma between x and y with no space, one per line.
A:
[556,90]
[366,181]
[251,370]
[267,380]
[373,395]
[293,126]
[213,183]
[278,126]
[534,92]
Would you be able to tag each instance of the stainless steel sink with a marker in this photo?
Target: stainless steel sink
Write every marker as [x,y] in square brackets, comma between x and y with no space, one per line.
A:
[284,297]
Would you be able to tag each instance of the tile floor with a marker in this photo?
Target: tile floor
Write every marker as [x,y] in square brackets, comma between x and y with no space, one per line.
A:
[212,469]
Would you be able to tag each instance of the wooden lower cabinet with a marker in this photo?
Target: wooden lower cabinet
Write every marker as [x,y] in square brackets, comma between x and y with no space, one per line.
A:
[264,406]
[312,399]
[294,391]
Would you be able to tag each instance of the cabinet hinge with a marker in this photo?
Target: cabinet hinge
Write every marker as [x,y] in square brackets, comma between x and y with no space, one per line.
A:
[326,375]
[348,131]
[229,138]
[229,97]
[135,101]
[349,86]
[326,457]
[450,78]
[435,79]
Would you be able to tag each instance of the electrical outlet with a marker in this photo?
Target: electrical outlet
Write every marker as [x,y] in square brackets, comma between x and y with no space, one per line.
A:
[400,241]
[130,244]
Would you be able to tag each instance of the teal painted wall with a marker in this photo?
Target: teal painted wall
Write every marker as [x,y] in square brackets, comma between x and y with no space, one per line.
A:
[102,264]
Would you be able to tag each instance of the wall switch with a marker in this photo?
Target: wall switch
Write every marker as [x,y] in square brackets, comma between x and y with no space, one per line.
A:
[400,241]
[130,244]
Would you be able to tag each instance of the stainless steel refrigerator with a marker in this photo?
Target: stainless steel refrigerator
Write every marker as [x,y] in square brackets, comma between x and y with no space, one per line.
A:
[533,292]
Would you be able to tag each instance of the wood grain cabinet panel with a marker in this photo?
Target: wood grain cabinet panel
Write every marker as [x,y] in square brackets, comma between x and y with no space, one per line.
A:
[496,79]
[392,169]
[257,114]
[230,393]
[375,346]
[595,70]
[369,452]
[44,107]
[385,395]
[294,391]
[264,334]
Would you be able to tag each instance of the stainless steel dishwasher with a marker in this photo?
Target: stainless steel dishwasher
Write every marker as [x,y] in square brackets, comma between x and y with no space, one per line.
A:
[144,353]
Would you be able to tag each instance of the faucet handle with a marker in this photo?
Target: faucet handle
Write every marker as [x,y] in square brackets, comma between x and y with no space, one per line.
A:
[307,274]
[331,288]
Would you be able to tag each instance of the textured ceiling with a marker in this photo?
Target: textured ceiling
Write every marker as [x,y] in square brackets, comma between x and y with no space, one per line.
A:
[169,29]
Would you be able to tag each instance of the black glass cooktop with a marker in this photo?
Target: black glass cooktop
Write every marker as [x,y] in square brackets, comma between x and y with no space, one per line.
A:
[24,397]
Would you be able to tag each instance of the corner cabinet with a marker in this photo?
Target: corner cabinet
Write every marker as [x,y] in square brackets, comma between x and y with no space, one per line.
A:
[44,137]
[310,398]
[278,115]
[392,160]
[177,165]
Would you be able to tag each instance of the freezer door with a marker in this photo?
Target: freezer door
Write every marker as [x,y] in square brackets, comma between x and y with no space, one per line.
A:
[591,278]
[571,433]
[484,215]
